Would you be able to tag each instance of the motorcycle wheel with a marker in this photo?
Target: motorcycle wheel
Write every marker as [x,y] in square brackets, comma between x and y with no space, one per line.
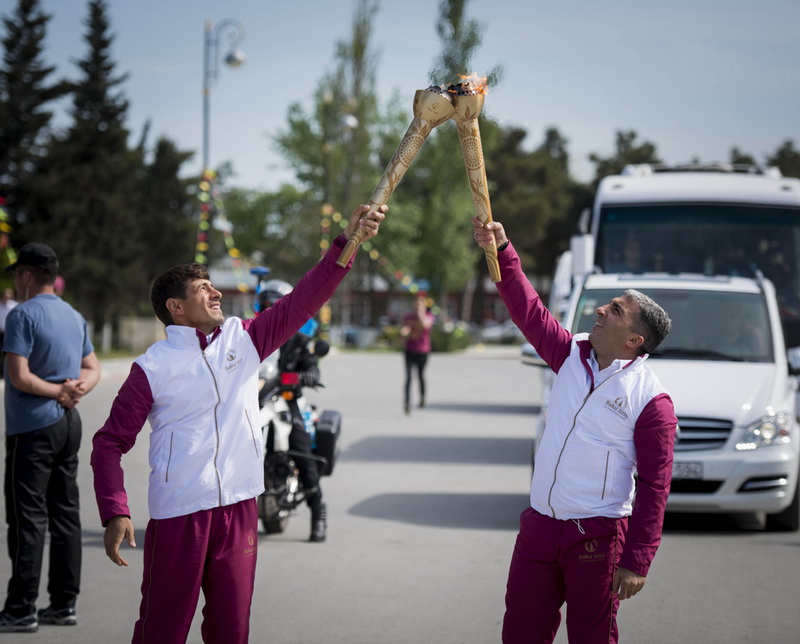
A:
[274,518]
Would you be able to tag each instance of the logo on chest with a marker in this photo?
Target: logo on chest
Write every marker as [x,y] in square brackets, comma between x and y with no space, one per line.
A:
[232,362]
[619,406]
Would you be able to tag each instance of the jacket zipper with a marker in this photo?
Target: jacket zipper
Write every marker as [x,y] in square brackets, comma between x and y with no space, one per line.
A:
[564,446]
[605,476]
[169,457]
[252,431]
[216,428]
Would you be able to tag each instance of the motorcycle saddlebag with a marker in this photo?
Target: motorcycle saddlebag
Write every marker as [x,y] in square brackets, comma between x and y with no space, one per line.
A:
[329,426]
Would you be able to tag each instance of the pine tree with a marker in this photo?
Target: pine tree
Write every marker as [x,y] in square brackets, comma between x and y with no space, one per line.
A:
[24,93]
[88,203]
[165,221]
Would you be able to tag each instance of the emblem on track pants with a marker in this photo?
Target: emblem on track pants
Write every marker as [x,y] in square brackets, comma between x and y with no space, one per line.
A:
[251,541]
[590,546]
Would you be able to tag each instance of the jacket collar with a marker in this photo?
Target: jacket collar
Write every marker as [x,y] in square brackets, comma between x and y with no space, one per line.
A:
[586,356]
[188,336]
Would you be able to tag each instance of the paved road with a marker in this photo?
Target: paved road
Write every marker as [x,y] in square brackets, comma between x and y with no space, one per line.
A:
[423,515]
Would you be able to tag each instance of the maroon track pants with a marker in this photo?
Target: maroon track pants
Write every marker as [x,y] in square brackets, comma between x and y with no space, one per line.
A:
[563,561]
[211,549]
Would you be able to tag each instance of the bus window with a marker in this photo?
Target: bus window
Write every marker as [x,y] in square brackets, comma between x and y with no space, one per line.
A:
[712,239]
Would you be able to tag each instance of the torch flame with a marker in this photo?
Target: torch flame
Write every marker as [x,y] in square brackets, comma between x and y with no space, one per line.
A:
[469,86]
[476,83]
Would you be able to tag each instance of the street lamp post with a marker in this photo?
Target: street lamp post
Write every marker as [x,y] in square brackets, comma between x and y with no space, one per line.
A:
[234,58]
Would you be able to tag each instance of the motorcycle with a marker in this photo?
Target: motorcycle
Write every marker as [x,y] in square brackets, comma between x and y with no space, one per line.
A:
[283,486]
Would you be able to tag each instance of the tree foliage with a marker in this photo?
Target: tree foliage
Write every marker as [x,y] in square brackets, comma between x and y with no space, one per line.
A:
[787,159]
[115,215]
[165,214]
[534,195]
[626,151]
[90,183]
[276,229]
[25,92]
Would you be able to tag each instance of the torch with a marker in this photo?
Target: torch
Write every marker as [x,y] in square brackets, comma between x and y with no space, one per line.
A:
[468,97]
[432,107]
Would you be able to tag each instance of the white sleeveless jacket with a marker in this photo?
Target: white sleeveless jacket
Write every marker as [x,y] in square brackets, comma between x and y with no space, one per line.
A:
[209,454]
[586,459]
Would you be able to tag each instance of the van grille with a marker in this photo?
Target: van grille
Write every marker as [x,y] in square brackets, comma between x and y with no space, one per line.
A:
[702,433]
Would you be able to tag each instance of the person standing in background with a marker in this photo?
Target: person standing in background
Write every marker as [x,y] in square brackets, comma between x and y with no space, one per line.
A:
[417,331]
[51,365]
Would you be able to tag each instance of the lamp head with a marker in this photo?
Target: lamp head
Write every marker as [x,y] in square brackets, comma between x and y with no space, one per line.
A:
[235,58]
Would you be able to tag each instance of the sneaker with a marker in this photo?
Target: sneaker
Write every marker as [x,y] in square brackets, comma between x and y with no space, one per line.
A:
[61,617]
[11,624]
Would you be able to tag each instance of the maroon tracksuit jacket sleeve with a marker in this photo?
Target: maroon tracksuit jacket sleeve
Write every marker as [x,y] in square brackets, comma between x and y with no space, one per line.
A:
[116,437]
[272,328]
[654,438]
[542,330]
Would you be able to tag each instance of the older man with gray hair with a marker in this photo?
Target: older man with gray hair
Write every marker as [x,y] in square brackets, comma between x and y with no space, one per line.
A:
[603,464]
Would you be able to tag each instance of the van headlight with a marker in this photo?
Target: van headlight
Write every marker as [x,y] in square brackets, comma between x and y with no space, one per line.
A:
[773,429]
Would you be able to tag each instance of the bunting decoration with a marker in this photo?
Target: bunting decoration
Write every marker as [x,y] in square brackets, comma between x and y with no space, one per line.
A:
[7,253]
[406,281]
[212,208]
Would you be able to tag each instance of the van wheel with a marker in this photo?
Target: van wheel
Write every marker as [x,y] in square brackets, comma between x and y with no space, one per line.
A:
[789,519]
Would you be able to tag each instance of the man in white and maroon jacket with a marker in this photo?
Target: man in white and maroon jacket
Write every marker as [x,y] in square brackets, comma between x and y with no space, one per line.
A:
[584,540]
[198,389]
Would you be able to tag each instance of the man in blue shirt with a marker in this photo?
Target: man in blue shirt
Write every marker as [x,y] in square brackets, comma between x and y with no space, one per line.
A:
[50,365]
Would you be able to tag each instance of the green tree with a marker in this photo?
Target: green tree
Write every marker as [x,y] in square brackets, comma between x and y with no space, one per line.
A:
[165,218]
[535,195]
[24,93]
[331,150]
[277,229]
[626,151]
[737,157]
[787,159]
[87,201]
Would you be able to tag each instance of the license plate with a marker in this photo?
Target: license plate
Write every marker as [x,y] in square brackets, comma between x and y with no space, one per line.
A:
[685,470]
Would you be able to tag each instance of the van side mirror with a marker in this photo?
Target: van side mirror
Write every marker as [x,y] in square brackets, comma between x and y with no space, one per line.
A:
[582,247]
[793,358]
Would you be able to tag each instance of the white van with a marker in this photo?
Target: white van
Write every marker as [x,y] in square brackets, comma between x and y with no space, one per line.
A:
[726,368]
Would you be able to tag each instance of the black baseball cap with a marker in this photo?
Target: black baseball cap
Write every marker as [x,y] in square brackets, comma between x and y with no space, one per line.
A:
[36,255]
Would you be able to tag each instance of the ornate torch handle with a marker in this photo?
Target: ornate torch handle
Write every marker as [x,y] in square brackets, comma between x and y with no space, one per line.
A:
[472,150]
[430,109]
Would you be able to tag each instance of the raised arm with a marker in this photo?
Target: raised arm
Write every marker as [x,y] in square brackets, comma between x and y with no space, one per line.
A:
[527,310]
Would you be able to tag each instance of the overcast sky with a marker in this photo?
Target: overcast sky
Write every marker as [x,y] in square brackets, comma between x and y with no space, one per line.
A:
[696,77]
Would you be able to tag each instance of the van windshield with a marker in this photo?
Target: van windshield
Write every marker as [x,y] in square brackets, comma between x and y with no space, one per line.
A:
[712,239]
[706,325]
